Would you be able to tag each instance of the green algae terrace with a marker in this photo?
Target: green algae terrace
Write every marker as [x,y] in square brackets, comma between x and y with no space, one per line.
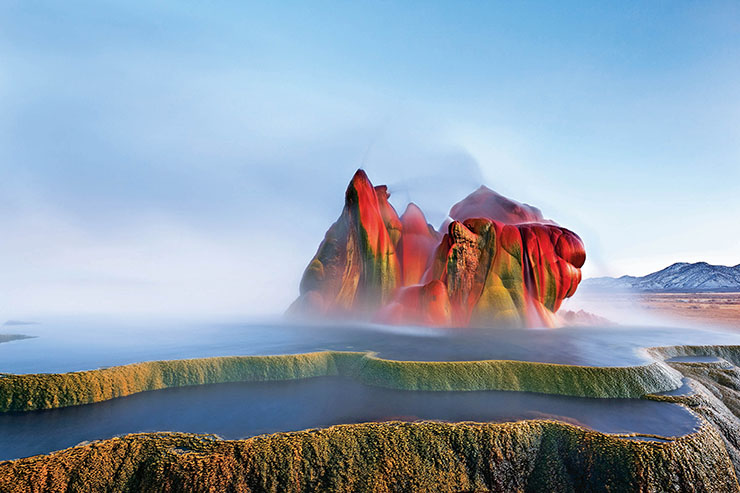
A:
[523,456]
[548,451]
[51,391]
[23,392]
[45,391]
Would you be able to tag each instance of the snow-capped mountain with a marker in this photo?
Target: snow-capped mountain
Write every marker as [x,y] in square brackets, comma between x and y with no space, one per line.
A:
[679,277]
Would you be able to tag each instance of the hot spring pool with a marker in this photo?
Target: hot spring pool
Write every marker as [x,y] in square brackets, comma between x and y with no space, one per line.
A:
[240,410]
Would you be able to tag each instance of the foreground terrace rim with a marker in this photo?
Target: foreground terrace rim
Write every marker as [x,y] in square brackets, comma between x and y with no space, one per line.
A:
[531,455]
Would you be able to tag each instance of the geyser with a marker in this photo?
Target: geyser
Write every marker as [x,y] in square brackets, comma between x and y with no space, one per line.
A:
[500,263]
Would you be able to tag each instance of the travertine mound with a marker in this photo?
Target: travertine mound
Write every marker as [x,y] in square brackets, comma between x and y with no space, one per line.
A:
[498,263]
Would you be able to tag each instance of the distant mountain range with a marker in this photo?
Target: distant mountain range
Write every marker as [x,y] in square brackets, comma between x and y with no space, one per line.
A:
[679,277]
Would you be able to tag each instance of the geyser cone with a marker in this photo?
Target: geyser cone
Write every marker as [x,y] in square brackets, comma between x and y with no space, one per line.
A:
[498,263]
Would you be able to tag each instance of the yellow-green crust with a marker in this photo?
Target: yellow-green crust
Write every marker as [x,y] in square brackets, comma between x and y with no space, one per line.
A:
[53,390]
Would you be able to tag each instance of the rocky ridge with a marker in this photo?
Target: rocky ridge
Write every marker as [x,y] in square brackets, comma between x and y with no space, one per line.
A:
[678,277]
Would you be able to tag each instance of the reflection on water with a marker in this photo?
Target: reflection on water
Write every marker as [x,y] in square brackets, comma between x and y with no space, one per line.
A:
[239,410]
[68,345]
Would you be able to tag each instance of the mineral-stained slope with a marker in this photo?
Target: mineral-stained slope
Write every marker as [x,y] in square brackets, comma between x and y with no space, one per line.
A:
[499,262]
[356,268]
[416,246]
[391,456]
[712,389]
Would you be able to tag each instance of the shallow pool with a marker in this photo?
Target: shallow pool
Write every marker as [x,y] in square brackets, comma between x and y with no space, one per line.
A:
[240,410]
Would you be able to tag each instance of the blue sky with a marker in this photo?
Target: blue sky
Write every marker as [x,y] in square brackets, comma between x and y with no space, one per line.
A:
[188,156]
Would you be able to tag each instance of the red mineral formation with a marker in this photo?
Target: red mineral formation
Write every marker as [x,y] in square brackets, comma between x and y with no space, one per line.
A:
[418,241]
[421,304]
[356,270]
[498,264]
[484,202]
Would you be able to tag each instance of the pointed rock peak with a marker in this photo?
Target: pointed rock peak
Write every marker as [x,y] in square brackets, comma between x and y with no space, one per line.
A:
[360,177]
[413,210]
[360,185]
[414,221]
[484,202]
[362,196]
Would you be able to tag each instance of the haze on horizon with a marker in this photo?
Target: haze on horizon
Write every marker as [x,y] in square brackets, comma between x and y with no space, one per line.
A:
[188,158]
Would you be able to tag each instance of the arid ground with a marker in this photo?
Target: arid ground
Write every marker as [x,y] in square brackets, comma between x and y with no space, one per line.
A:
[719,309]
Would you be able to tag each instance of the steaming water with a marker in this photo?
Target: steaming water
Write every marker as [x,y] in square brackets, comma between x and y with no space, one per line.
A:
[81,344]
[240,410]
[247,409]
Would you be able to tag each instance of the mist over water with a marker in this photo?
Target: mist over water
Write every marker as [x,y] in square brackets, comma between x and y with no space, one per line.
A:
[75,344]
[229,240]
